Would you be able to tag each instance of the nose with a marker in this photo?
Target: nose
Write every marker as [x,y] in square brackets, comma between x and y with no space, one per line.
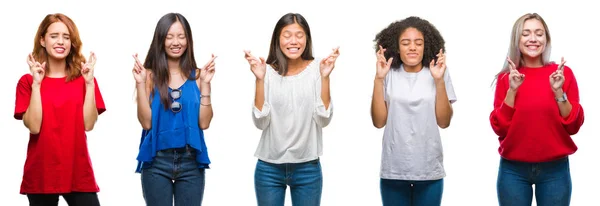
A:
[412,47]
[533,38]
[177,42]
[294,40]
[61,40]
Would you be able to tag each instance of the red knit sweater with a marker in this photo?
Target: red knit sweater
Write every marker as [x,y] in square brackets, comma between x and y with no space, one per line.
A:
[533,130]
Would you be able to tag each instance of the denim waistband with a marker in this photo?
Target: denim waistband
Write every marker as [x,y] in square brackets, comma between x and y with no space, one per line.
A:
[298,163]
[185,149]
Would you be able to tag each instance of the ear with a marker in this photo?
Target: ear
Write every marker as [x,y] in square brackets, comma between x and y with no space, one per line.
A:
[43,42]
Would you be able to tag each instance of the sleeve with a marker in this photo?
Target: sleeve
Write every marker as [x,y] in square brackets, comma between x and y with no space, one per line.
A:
[23,96]
[501,116]
[574,121]
[262,118]
[321,115]
[98,97]
[449,87]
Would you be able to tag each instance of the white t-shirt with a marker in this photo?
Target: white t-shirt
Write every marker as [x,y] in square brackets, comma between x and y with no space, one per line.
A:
[292,117]
[412,148]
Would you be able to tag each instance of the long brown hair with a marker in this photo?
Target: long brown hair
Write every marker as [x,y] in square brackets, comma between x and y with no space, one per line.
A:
[156,59]
[74,58]
[276,58]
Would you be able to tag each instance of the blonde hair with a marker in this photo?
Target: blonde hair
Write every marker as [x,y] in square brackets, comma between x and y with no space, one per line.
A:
[514,53]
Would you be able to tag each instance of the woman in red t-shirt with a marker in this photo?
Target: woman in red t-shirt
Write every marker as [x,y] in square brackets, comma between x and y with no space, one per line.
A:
[58,102]
[534,119]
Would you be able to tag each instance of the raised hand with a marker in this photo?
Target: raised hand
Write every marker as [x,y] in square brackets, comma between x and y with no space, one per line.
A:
[557,78]
[515,78]
[258,67]
[438,68]
[87,69]
[383,66]
[327,64]
[37,70]
[208,70]
[139,72]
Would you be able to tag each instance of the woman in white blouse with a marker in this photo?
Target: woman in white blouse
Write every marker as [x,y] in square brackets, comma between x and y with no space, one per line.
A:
[291,106]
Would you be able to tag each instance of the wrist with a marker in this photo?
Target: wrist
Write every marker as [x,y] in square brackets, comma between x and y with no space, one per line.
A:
[90,85]
[558,93]
[35,85]
[439,81]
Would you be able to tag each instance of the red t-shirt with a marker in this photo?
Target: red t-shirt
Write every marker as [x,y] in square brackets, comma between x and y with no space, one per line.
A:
[534,130]
[57,158]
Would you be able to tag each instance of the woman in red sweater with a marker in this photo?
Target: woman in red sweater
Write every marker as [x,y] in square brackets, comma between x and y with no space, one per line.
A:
[536,110]
[58,101]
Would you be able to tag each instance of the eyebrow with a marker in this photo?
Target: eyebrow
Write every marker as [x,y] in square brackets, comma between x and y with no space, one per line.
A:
[57,33]
[536,30]
[410,39]
[297,32]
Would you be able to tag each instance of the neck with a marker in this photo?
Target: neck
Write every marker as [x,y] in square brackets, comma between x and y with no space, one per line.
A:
[532,62]
[295,64]
[174,67]
[56,67]
[413,68]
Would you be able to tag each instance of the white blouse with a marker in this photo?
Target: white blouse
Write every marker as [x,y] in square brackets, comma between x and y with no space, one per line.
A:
[292,117]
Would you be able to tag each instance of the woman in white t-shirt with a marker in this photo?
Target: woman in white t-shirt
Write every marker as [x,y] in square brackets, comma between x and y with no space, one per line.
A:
[291,106]
[412,98]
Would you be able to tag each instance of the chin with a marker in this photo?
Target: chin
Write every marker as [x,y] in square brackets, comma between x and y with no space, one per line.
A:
[294,56]
[58,57]
[174,56]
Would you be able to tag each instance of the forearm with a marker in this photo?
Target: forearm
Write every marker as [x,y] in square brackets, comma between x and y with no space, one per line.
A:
[90,113]
[144,111]
[206,111]
[443,109]
[510,97]
[259,95]
[33,116]
[564,107]
[325,92]
[378,107]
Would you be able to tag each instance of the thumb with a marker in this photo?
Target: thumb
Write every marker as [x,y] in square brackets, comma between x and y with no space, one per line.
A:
[262,60]
[431,65]
[44,66]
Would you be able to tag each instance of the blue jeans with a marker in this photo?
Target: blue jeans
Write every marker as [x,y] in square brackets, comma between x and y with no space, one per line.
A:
[305,181]
[552,183]
[411,193]
[173,173]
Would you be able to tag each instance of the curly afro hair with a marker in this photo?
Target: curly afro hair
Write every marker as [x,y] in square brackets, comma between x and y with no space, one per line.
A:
[388,39]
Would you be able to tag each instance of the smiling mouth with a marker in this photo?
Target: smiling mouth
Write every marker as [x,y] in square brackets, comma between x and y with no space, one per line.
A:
[59,50]
[293,49]
[176,50]
[532,47]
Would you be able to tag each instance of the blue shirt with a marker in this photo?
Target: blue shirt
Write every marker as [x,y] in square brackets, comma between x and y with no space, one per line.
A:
[174,129]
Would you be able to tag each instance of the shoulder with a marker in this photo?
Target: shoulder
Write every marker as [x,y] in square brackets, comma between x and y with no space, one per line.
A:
[26,78]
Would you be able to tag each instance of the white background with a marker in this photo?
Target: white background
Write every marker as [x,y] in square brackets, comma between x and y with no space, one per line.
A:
[477,36]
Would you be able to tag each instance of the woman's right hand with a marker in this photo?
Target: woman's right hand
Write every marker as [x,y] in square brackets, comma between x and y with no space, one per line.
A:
[258,67]
[139,72]
[515,78]
[37,70]
[383,66]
